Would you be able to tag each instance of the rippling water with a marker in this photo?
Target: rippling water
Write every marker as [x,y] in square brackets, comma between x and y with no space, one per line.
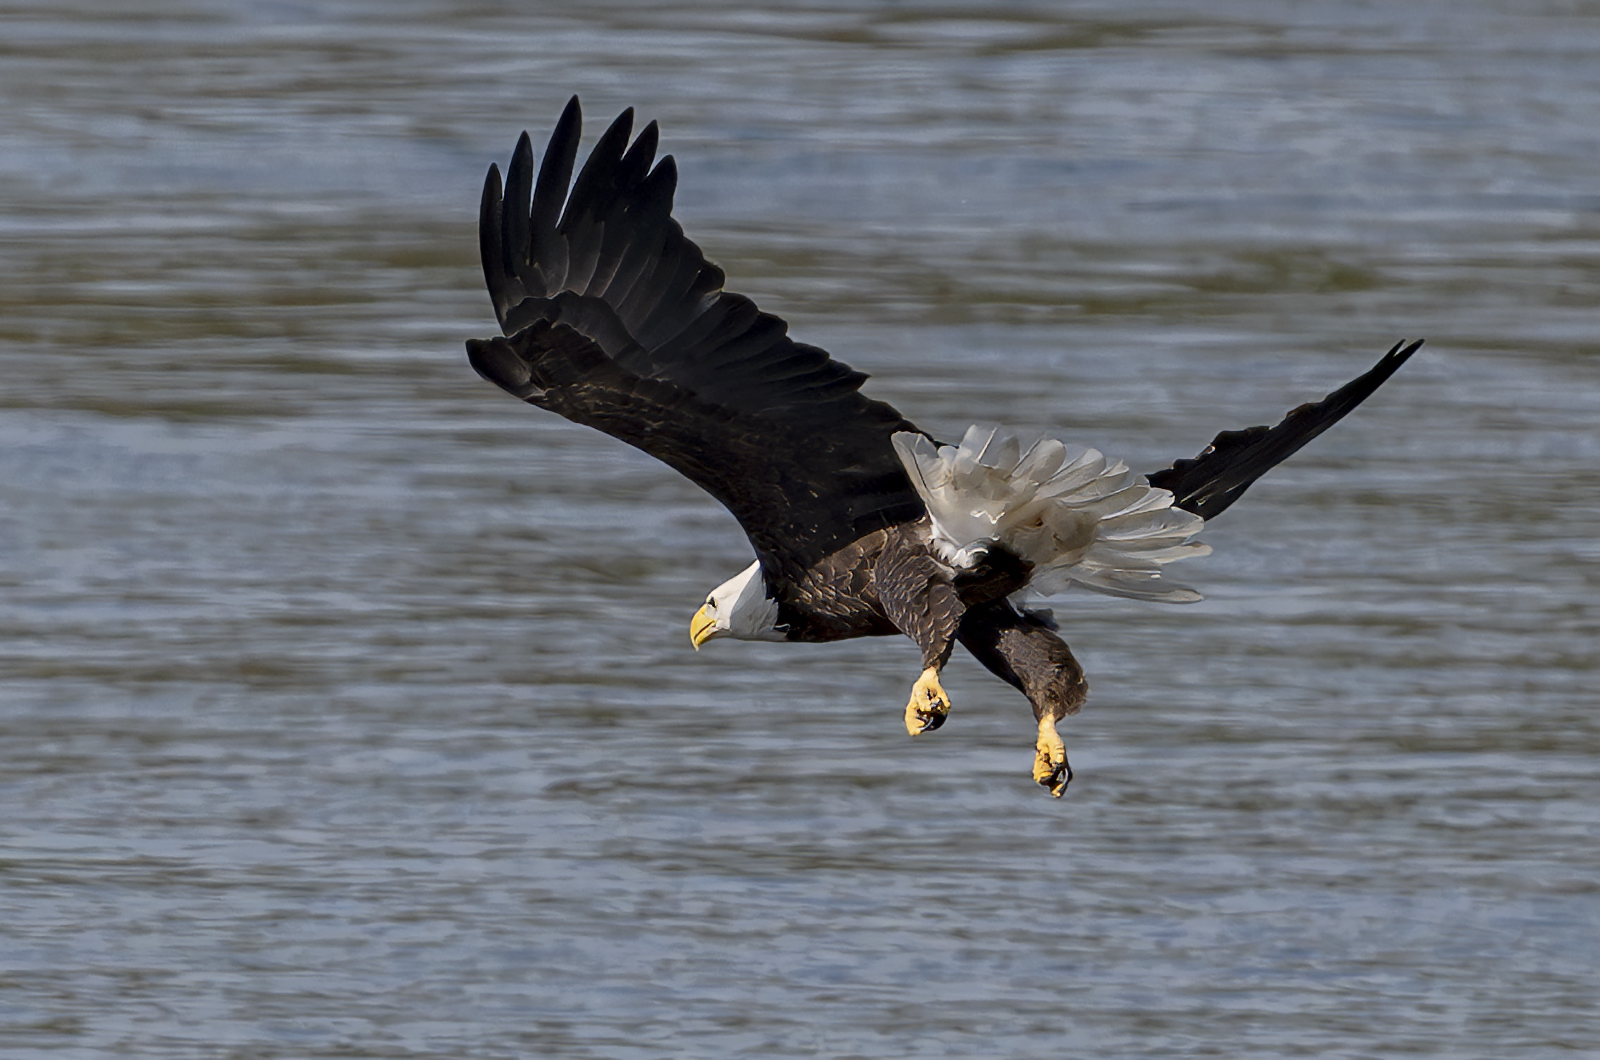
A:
[347,704]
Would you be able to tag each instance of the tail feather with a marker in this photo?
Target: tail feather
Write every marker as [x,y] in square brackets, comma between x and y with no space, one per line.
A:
[1076,517]
[1216,478]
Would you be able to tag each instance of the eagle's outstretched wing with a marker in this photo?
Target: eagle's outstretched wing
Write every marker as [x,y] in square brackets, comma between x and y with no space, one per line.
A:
[617,321]
[1225,469]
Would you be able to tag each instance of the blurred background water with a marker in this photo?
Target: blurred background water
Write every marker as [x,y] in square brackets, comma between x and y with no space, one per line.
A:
[348,708]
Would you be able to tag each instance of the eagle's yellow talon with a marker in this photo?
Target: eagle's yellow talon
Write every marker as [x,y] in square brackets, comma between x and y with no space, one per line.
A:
[929,705]
[1050,766]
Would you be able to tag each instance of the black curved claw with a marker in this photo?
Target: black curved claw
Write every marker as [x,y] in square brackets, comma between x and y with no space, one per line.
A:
[1057,782]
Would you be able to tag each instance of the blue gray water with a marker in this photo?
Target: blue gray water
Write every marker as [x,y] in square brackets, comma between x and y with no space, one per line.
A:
[348,707]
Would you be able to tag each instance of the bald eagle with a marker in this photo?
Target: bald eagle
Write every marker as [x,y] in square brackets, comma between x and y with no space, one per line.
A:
[862,524]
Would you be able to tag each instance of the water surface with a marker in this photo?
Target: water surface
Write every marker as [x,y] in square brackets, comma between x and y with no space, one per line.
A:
[348,707]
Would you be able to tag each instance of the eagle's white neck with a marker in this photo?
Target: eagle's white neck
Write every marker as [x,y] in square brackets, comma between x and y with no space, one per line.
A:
[741,608]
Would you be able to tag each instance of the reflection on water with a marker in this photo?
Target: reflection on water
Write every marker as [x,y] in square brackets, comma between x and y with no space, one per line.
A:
[348,704]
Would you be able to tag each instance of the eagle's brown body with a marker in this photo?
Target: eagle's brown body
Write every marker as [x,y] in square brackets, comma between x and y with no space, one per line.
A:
[892,581]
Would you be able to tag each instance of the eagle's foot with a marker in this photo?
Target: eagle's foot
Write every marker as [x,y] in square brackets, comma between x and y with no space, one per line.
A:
[929,705]
[1050,766]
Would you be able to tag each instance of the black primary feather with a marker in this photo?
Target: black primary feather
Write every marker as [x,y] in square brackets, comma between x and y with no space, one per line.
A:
[1217,477]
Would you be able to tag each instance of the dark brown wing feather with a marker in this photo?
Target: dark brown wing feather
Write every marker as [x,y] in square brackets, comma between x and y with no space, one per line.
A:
[1216,478]
[618,322]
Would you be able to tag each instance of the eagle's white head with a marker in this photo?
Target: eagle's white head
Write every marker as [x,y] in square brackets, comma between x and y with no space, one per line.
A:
[739,608]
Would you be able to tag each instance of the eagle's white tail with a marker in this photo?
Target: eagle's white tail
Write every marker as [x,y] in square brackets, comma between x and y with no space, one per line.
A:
[1079,518]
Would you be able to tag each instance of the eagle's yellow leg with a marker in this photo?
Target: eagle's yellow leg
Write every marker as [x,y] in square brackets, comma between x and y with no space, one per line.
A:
[929,705]
[1050,766]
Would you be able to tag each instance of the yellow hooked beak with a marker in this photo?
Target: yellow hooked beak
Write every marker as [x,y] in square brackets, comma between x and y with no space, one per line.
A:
[702,627]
